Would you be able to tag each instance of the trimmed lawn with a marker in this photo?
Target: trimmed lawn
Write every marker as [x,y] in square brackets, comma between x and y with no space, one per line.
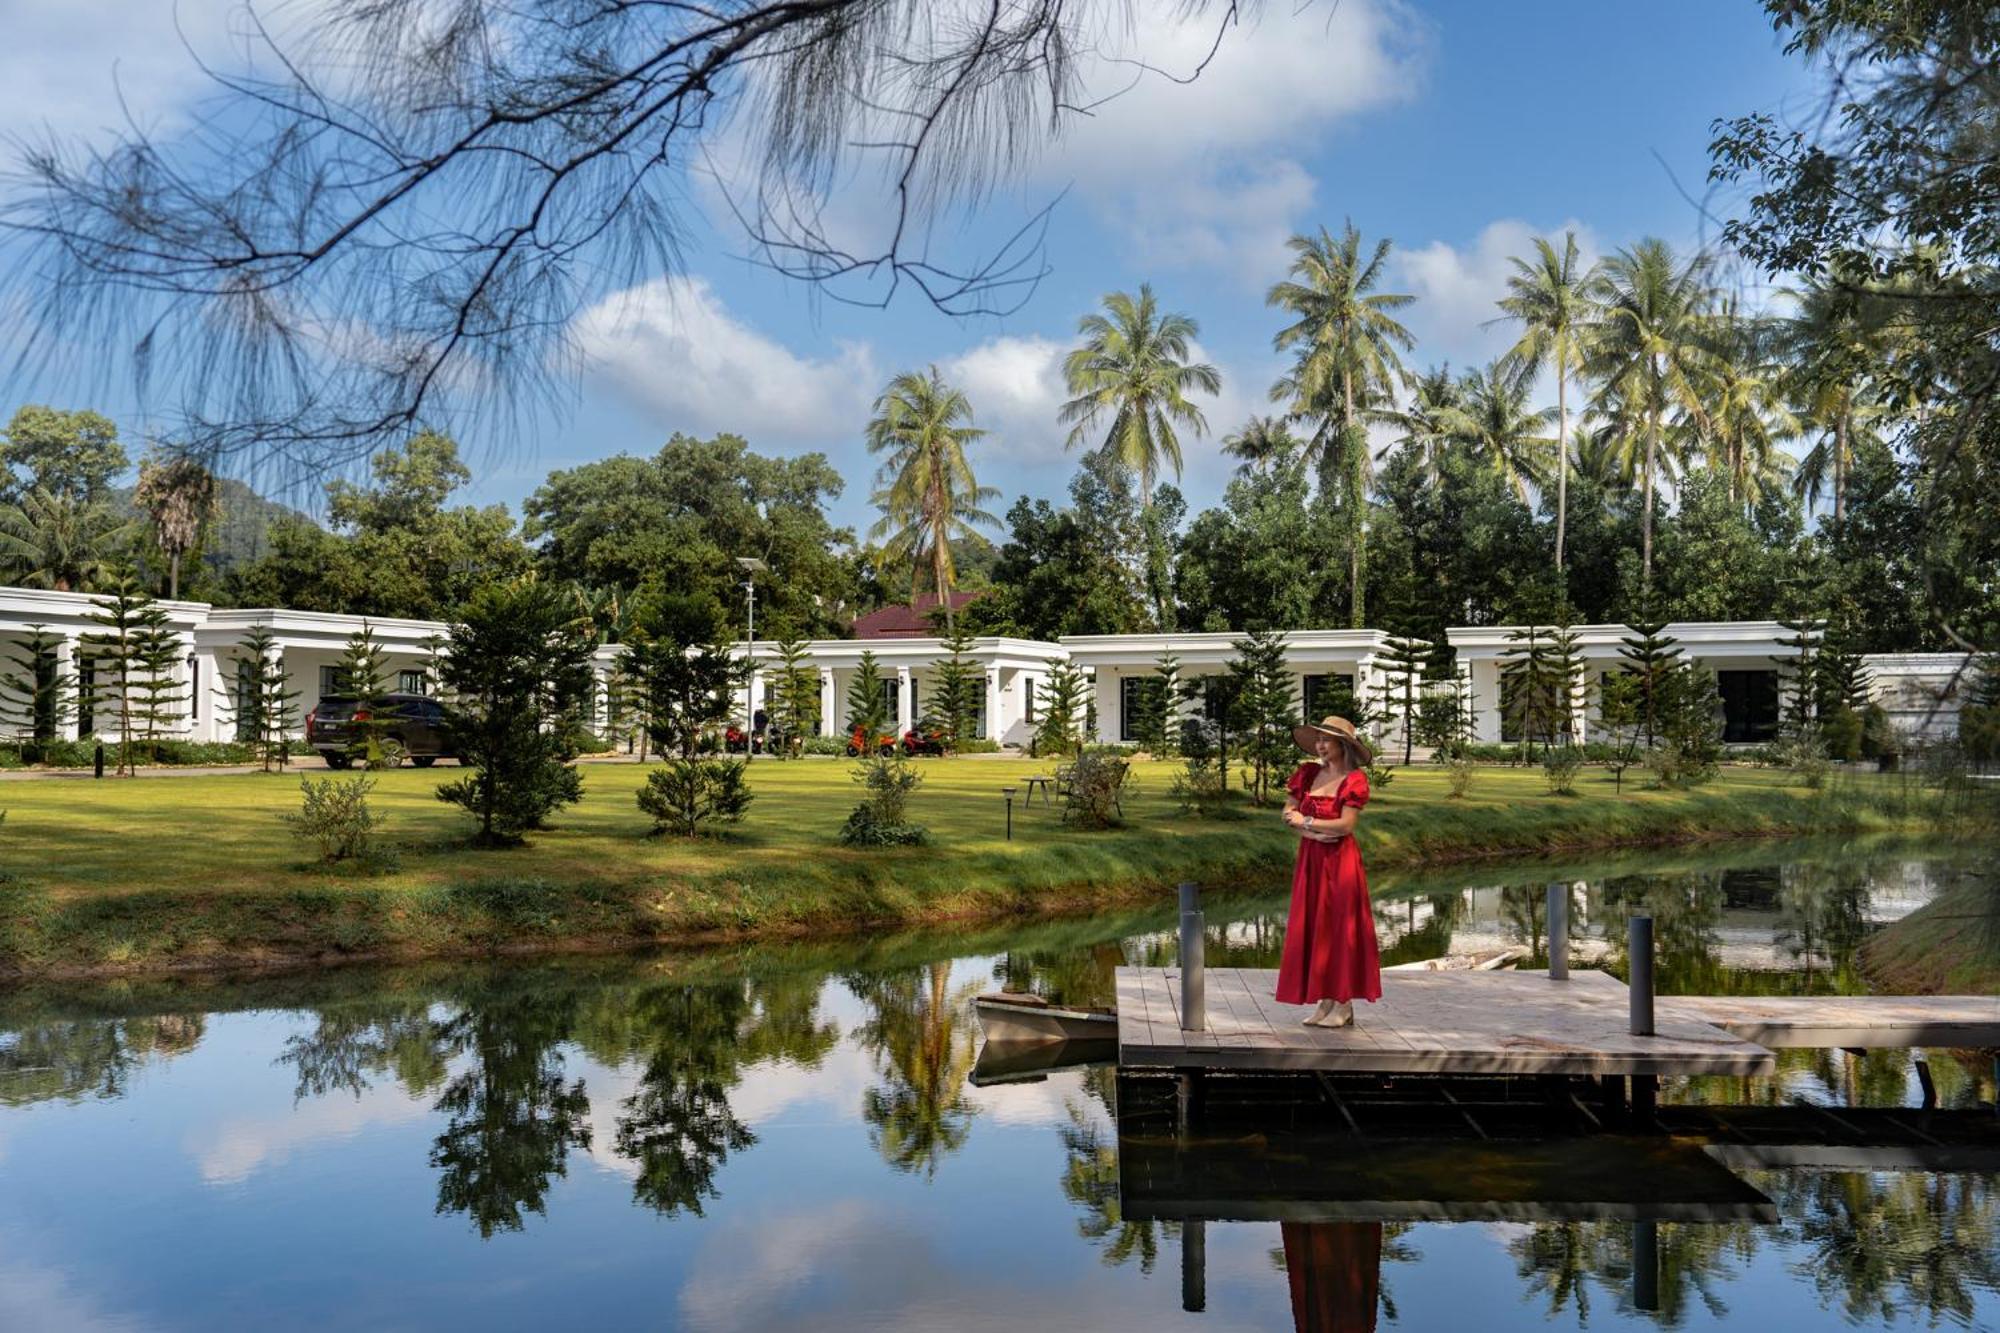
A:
[141,875]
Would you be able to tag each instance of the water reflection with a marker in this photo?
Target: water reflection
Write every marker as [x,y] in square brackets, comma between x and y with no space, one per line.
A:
[548,1101]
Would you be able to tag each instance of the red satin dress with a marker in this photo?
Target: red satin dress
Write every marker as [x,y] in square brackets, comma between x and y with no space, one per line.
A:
[1330,936]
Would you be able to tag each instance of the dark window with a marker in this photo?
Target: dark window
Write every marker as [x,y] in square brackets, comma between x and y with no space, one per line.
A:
[1028,696]
[413,682]
[1130,700]
[86,685]
[1749,705]
[1324,695]
[891,688]
[194,691]
[329,680]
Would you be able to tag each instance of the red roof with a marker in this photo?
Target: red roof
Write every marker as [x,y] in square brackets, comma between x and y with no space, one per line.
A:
[910,621]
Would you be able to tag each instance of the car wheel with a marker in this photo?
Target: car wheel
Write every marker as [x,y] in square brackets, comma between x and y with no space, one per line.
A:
[424,760]
[334,759]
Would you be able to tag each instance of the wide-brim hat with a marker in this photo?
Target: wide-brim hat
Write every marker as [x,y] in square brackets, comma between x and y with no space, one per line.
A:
[1341,730]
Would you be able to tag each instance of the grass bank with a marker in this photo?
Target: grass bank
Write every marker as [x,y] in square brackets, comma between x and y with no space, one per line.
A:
[1949,946]
[133,877]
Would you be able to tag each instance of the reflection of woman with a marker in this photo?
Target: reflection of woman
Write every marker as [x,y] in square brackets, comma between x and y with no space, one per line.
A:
[1330,936]
[1334,1269]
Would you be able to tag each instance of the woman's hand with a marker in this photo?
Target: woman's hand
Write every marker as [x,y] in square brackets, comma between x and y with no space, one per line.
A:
[1296,818]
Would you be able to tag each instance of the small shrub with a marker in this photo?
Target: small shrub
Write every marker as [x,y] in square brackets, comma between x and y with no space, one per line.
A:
[1841,735]
[881,820]
[977,745]
[334,816]
[1560,765]
[1096,778]
[1805,755]
[685,794]
[1458,771]
[827,745]
[1380,773]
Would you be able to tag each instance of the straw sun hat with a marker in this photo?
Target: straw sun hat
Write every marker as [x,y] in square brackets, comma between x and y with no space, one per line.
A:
[1358,752]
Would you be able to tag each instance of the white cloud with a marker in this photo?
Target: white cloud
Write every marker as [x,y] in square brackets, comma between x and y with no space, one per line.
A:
[675,352]
[1015,385]
[1456,288]
[35,1299]
[230,1151]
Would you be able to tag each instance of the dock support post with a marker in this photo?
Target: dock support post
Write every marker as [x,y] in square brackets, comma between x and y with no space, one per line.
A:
[1645,1098]
[1187,1103]
[1639,953]
[1194,1265]
[1194,981]
[1646,1265]
[1559,930]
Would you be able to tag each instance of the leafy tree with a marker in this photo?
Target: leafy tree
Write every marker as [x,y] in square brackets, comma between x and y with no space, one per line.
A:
[926,488]
[1550,298]
[52,539]
[1400,693]
[266,706]
[1650,653]
[71,455]
[517,671]
[178,495]
[1531,697]
[867,708]
[1260,560]
[1497,426]
[796,694]
[1565,667]
[1690,717]
[1267,709]
[1748,415]
[38,696]
[1263,443]
[362,674]
[1133,369]
[114,657]
[1154,723]
[1068,571]
[1802,672]
[1646,351]
[1619,714]
[1062,701]
[157,691]
[1344,342]
[689,681]
[957,685]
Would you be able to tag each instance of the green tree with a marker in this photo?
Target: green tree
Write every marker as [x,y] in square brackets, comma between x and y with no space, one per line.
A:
[1497,426]
[1650,653]
[1069,570]
[1619,717]
[1267,709]
[1154,725]
[179,499]
[689,681]
[1432,422]
[52,539]
[1400,691]
[362,674]
[867,704]
[926,489]
[1062,701]
[957,685]
[1801,672]
[1646,351]
[73,455]
[114,658]
[158,693]
[265,705]
[1344,342]
[1263,443]
[1133,372]
[38,696]
[1550,298]
[796,694]
[1748,417]
[516,673]
[1530,691]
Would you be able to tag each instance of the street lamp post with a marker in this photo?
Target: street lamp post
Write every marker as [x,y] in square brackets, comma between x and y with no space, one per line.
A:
[752,566]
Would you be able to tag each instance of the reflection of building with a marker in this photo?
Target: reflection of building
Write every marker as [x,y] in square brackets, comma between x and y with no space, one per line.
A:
[1920,691]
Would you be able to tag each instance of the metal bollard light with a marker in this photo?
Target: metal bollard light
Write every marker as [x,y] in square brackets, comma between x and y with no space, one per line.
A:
[1559,931]
[1639,952]
[1194,982]
[97,761]
[1010,812]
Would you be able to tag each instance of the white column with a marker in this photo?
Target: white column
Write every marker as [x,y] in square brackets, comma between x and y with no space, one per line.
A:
[69,649]
[1485,685]
[903,718]
[996,726]
[829,714]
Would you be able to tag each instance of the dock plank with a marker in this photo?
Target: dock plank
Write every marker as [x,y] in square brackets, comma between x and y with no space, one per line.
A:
[1855,1021]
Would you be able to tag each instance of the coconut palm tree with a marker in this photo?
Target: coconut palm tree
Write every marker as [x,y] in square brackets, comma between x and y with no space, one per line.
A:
[1748,417]
[1344,341]
[1133,368]
[178,495]
[57,540]
[926,488]
[1496,425]
[1646,344]
[1262,444]
[1551,298]
[1835,346]
[1433,420]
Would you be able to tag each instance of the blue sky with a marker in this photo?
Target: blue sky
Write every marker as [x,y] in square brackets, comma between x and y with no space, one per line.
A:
[1460,130]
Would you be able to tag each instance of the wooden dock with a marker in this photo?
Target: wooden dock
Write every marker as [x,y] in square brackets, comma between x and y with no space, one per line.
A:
[1488,1023]
[1851,1022]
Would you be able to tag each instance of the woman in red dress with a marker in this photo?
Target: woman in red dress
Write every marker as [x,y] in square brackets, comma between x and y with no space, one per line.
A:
[1330,952]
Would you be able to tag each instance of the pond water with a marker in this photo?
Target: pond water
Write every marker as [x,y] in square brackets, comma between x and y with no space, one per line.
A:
[787,1138]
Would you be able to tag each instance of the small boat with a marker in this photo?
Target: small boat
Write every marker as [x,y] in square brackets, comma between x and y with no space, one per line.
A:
[1033,1062]
[1486,960]
[1011,1018]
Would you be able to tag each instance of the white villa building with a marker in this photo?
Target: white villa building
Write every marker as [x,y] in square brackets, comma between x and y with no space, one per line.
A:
[1921,691]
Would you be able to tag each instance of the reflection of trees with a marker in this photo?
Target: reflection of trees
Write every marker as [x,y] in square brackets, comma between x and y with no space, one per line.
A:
[1890,1247]
[1559,1260]
[1430,938]
[1822,914]
[512,1115]
[1686,911]
[1086,976]
[73,1059]
[678,1127]
[352,1043]
[918,1034]
[1090,1176]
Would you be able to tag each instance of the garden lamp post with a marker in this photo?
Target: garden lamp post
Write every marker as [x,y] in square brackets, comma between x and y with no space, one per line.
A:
[1009,791]
[752,566]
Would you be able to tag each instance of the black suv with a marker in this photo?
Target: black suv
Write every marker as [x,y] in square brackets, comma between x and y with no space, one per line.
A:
[415,722]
